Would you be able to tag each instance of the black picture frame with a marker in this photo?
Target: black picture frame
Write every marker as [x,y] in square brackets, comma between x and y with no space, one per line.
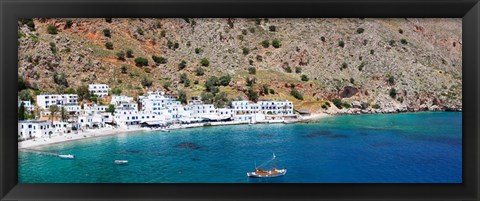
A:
[468,10]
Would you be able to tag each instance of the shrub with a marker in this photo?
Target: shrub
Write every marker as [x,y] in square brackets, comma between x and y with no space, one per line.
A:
[344,66]
[169,44]
[116,91]
[29,22]
[376,106]
[288,69]
[327,103]
[146,82]
[404,41]
[391,80]
[393,92]
[68,24]
[198,50]
[244,31]
[391,42]
[252,30]
[109,20]
[120,55]
[372,52]
[346,105]
[225,80]
[159,60]
[53,47]
[341,44]
[272,91]
[52,29]
[204,62]
[147,70]
[129,53]
[109,45]
[195,82]
[265,43]
[106,33]
[259,58]
[276,43]
[167,85]
[183,78]
[199,71]
[175,46]
[272,28]
[298,70]
[250,62]
[182,65]
[304,78]
[140,31]
[338,103]
[296,94]
[124,69]
[265,89]
[60,79]
[250,81]
[252,70]
[400,31]
[245,50]
[140,61]
[252,94]
[360,30]
[324,106]
[162,33]
[322,39]
[211,84]
[360,67]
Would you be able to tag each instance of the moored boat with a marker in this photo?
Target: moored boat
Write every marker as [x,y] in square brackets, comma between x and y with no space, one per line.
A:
[66,156]
[120,162]
[266,173]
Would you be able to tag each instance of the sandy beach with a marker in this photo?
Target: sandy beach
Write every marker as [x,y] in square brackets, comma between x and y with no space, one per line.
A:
[115,131]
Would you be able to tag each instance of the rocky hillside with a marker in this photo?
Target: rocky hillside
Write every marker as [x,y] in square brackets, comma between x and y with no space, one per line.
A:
[370,64]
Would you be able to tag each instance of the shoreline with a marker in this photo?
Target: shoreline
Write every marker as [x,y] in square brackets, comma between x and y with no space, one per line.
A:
[27,144]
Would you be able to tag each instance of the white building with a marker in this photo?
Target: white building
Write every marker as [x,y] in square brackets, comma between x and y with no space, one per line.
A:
[118,100]
[45,101]
[245,111]
[34,129]
[281,108]
[73,109]
[125,117]
[98,89]
[27,104]
[156,101]
[91,109]
[93,120]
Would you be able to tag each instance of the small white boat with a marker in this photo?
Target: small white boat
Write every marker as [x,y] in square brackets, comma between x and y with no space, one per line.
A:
[262,173]
[66,156]
[120,162]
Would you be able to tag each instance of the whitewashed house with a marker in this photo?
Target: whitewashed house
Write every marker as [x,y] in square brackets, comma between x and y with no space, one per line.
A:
[46,100]
[98,89]
[90,109]
[118,100]
[245,111]
[34,129]
[27,104]
[280,108]
[125,117]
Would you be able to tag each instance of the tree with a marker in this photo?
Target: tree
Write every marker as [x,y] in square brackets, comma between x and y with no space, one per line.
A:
[146,82]
[94,98]
[159,60]
[124,69]
[60,79]
[198,50]
[393,92]
[52,29]
[68,24]
[225,80]
[250,81]
[338,103]
[21,84]
[182,65]
[211,84]
[252,94]
[182,97]
[140,61]
[109,45]
[199,71]
[220,99]
[83,93]
[265,43]
[272,28]
[120,55]
[272,91]
[21,112]
[296,94]
[129,53]
[167,85]
[116,91]
[64,114]
[404,41]
[252,70]
[29,22]
[265,89]
[25,95]
[391,80]
[106,33]
[204,62]
[140,31]
[53,111]
[360,30]
[298,70]
[276,43]
[111,109]
[245,50]
[341,44]
[207,97]
[304,78]
[288,69]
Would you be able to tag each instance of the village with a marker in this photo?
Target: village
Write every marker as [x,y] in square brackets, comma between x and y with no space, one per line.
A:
[154,110]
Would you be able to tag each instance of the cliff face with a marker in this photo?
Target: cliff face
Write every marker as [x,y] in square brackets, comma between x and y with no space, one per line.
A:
[391,64]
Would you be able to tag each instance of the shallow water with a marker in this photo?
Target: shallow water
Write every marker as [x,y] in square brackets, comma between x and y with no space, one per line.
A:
[379,148]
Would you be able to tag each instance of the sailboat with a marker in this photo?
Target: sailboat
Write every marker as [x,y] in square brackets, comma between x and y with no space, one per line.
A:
[264,173]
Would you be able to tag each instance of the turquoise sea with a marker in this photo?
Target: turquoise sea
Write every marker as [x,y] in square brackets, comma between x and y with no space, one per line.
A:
[423,147]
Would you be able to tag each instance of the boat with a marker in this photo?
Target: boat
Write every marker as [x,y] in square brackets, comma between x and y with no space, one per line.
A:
[120,162]
[267,173]
[66,156]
